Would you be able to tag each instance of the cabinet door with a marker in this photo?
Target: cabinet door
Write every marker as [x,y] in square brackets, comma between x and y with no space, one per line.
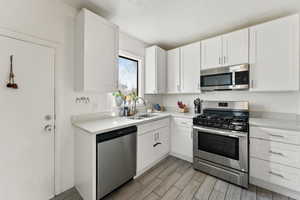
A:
[150,71]
[236,47]
[190,68]
[161,143]
[161,68]
[173,71]
[182,141]
[211,53]
[145,152]
[97,54]
[274,55]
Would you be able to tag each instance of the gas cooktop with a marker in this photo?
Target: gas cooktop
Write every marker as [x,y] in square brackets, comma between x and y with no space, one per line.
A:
[236,123]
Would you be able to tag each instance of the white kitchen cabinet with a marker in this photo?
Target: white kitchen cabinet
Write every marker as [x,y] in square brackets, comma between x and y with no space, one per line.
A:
[97,46]
[145,150]
[173,71]
[274,160]
[182,138]
[225,50]
[153,144]
[274,55]
[155,70]
[184,69]
[190,68]
[211,53]
[161,143]
[236,47]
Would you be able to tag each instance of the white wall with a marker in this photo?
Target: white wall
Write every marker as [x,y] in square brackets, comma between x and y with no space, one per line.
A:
[283,102]
[54,21]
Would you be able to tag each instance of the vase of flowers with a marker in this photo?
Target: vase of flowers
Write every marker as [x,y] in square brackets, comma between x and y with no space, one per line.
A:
[119,98]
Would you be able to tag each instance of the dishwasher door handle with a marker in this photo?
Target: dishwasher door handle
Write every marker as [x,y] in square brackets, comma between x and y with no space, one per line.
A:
[115,134]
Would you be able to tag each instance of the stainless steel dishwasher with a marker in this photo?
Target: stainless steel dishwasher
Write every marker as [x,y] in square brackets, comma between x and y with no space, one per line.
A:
[116,159]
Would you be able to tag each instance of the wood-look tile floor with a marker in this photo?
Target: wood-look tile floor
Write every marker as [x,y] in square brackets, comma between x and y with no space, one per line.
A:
[175,179]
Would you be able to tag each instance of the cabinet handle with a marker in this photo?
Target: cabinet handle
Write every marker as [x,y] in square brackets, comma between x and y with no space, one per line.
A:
[276,153]
[156,144]
[276,174]
[252,84]
[278,136]
[219,60]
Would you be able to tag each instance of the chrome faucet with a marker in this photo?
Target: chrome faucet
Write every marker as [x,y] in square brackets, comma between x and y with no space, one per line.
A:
[134,108]
[144,101]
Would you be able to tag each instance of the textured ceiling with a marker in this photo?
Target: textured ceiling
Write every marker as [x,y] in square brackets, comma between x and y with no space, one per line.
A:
[171,23]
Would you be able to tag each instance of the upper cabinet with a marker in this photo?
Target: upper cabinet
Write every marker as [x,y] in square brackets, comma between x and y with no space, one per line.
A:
[225,50]
[173,71]
[155,70]
[236,48]
[184,69]
[190,68]
[274,55]
[211,53]
[97,46]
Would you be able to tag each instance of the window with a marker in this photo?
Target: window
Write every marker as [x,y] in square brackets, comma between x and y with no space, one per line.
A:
[128,75]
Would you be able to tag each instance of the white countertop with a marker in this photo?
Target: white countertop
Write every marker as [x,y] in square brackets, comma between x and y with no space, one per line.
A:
[188,115]
[106,124]
[102,125]
[275,123]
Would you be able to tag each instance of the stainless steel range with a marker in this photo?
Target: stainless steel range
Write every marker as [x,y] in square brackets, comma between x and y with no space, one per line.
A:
[220,141]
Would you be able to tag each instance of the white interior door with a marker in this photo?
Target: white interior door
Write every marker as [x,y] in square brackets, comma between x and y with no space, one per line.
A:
[26,148]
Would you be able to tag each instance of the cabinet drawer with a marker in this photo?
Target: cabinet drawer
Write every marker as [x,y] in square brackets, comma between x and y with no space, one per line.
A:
[153,126]
[275,173]
[183,122]
[286,154]
[278,135]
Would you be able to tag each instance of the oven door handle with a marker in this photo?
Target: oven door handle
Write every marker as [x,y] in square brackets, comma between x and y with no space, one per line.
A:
[235,134]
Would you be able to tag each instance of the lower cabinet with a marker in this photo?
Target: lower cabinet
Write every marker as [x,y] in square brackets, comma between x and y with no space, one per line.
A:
[145,151]
[152,145]
[182,138]
[274,160]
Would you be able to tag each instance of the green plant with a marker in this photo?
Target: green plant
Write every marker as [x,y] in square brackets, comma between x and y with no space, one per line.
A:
[119,94]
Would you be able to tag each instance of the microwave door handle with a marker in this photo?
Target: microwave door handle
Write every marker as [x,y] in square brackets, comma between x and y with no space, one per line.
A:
[233,78]
[235,134]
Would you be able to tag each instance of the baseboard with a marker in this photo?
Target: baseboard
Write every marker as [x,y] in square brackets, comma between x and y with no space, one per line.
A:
[274,188]
[182,157]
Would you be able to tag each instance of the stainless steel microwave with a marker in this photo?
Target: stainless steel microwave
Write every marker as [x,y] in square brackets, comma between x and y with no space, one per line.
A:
[225,78]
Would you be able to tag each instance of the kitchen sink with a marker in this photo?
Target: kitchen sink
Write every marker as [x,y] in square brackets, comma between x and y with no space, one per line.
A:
[142,116]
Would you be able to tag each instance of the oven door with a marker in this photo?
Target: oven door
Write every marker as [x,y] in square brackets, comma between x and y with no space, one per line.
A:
[227,148]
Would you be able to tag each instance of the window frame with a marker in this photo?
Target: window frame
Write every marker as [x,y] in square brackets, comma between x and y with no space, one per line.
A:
[140,76]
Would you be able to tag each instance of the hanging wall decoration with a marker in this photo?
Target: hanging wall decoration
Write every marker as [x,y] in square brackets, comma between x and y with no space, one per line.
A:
[11,82]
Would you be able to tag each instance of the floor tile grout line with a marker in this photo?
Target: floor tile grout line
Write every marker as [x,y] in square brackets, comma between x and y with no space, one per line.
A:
[199,187]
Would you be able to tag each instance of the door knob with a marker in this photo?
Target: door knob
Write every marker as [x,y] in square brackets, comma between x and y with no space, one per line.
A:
[48,128]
